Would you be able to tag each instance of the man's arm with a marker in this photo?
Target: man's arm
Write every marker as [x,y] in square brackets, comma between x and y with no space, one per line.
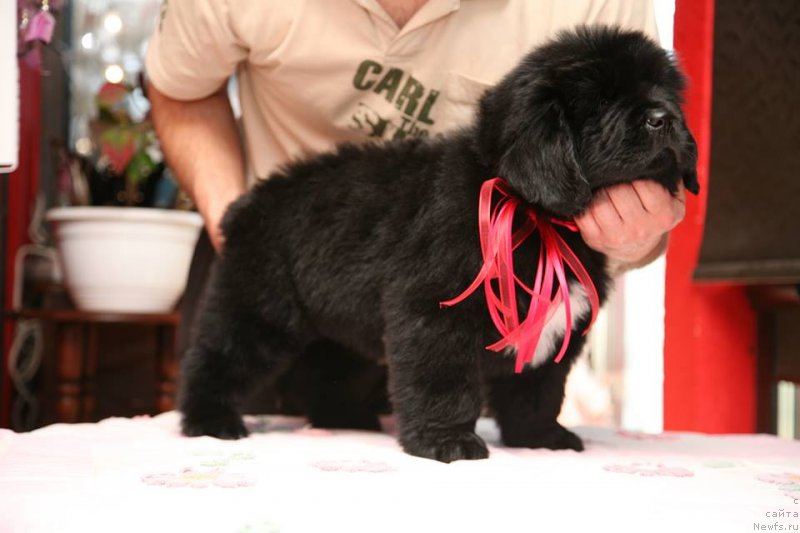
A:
[201,143]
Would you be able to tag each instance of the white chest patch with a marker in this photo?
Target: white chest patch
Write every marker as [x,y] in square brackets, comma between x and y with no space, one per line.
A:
[554,329]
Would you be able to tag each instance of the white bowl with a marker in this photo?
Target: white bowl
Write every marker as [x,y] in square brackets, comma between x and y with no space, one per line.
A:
[125,259]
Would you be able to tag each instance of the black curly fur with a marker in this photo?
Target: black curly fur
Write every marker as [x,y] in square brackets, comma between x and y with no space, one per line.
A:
[358,247]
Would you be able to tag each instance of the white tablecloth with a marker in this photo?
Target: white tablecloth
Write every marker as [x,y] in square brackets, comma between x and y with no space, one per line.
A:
[140,475]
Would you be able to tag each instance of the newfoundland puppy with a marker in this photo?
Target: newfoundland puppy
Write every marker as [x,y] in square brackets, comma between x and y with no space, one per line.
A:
[358,248]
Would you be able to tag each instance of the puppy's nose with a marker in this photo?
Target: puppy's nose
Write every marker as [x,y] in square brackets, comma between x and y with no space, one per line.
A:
[656,118]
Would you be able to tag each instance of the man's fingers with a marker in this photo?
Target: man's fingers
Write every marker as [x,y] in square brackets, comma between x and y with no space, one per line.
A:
[627,202]
[604,212]
[654,196]
[651,194]
[667,209]
[678,206]
[588,227]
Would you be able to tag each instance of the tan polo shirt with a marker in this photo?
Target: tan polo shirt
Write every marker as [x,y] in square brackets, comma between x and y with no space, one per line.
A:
[312,73]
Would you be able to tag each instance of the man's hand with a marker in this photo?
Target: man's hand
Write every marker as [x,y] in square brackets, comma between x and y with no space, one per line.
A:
[629,222]
[213,209]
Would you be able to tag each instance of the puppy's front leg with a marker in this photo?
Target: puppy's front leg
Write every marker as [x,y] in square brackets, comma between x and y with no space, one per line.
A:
[435,388]
[526,405]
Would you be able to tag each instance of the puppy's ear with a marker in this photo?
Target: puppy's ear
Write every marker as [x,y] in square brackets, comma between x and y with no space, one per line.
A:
[689,174]
[541,163]
[690,181]
[528,142]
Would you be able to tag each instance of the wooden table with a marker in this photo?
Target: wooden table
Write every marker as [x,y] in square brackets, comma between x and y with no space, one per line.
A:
[76,354]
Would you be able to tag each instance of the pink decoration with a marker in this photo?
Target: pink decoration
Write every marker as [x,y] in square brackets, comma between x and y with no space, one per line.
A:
[498,241]
[41,27]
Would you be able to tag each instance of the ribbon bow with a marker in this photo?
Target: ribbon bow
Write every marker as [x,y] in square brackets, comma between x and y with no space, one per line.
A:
[498,241]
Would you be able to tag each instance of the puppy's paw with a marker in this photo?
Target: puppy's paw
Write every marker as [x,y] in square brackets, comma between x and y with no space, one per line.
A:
[227,426]
[556,437]
[447,447]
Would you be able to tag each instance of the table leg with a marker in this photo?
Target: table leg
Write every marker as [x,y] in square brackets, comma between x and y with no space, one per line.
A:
[70,369]
[89,373]
[166,369]
[766,390]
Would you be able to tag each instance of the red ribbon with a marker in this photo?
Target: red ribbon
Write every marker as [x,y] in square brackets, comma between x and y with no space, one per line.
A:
[498,241]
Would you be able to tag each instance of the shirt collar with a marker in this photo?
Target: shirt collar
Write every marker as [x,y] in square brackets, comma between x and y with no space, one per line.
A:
[431,11]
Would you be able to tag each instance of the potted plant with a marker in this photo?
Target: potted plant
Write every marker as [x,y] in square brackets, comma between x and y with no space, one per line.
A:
[124,231]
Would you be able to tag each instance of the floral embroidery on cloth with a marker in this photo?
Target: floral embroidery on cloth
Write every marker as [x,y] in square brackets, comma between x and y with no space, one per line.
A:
[650,469]
[370,467]
[199,479]
[788,482]
[209,469]
[637,435]
[261,527]
[721,463]
[220,459]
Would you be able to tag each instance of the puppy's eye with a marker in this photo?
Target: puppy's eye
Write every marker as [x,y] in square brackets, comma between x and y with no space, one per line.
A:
[656,119]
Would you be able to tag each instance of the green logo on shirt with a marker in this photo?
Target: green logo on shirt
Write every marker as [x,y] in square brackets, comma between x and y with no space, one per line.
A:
[404,91]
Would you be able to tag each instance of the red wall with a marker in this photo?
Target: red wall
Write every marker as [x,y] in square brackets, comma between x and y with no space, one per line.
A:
[710,335]
[22,189]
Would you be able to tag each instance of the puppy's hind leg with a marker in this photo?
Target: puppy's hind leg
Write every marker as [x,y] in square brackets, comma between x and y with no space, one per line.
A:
[526,405]
[435,387]
[233,349]
[346,390]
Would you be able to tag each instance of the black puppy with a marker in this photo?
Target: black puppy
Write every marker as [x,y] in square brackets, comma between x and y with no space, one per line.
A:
[360,246]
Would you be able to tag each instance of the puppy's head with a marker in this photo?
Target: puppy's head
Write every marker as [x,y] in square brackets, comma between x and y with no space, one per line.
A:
[592,108]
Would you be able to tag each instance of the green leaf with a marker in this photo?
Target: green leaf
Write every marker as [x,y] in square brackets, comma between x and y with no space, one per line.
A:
[139,167]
